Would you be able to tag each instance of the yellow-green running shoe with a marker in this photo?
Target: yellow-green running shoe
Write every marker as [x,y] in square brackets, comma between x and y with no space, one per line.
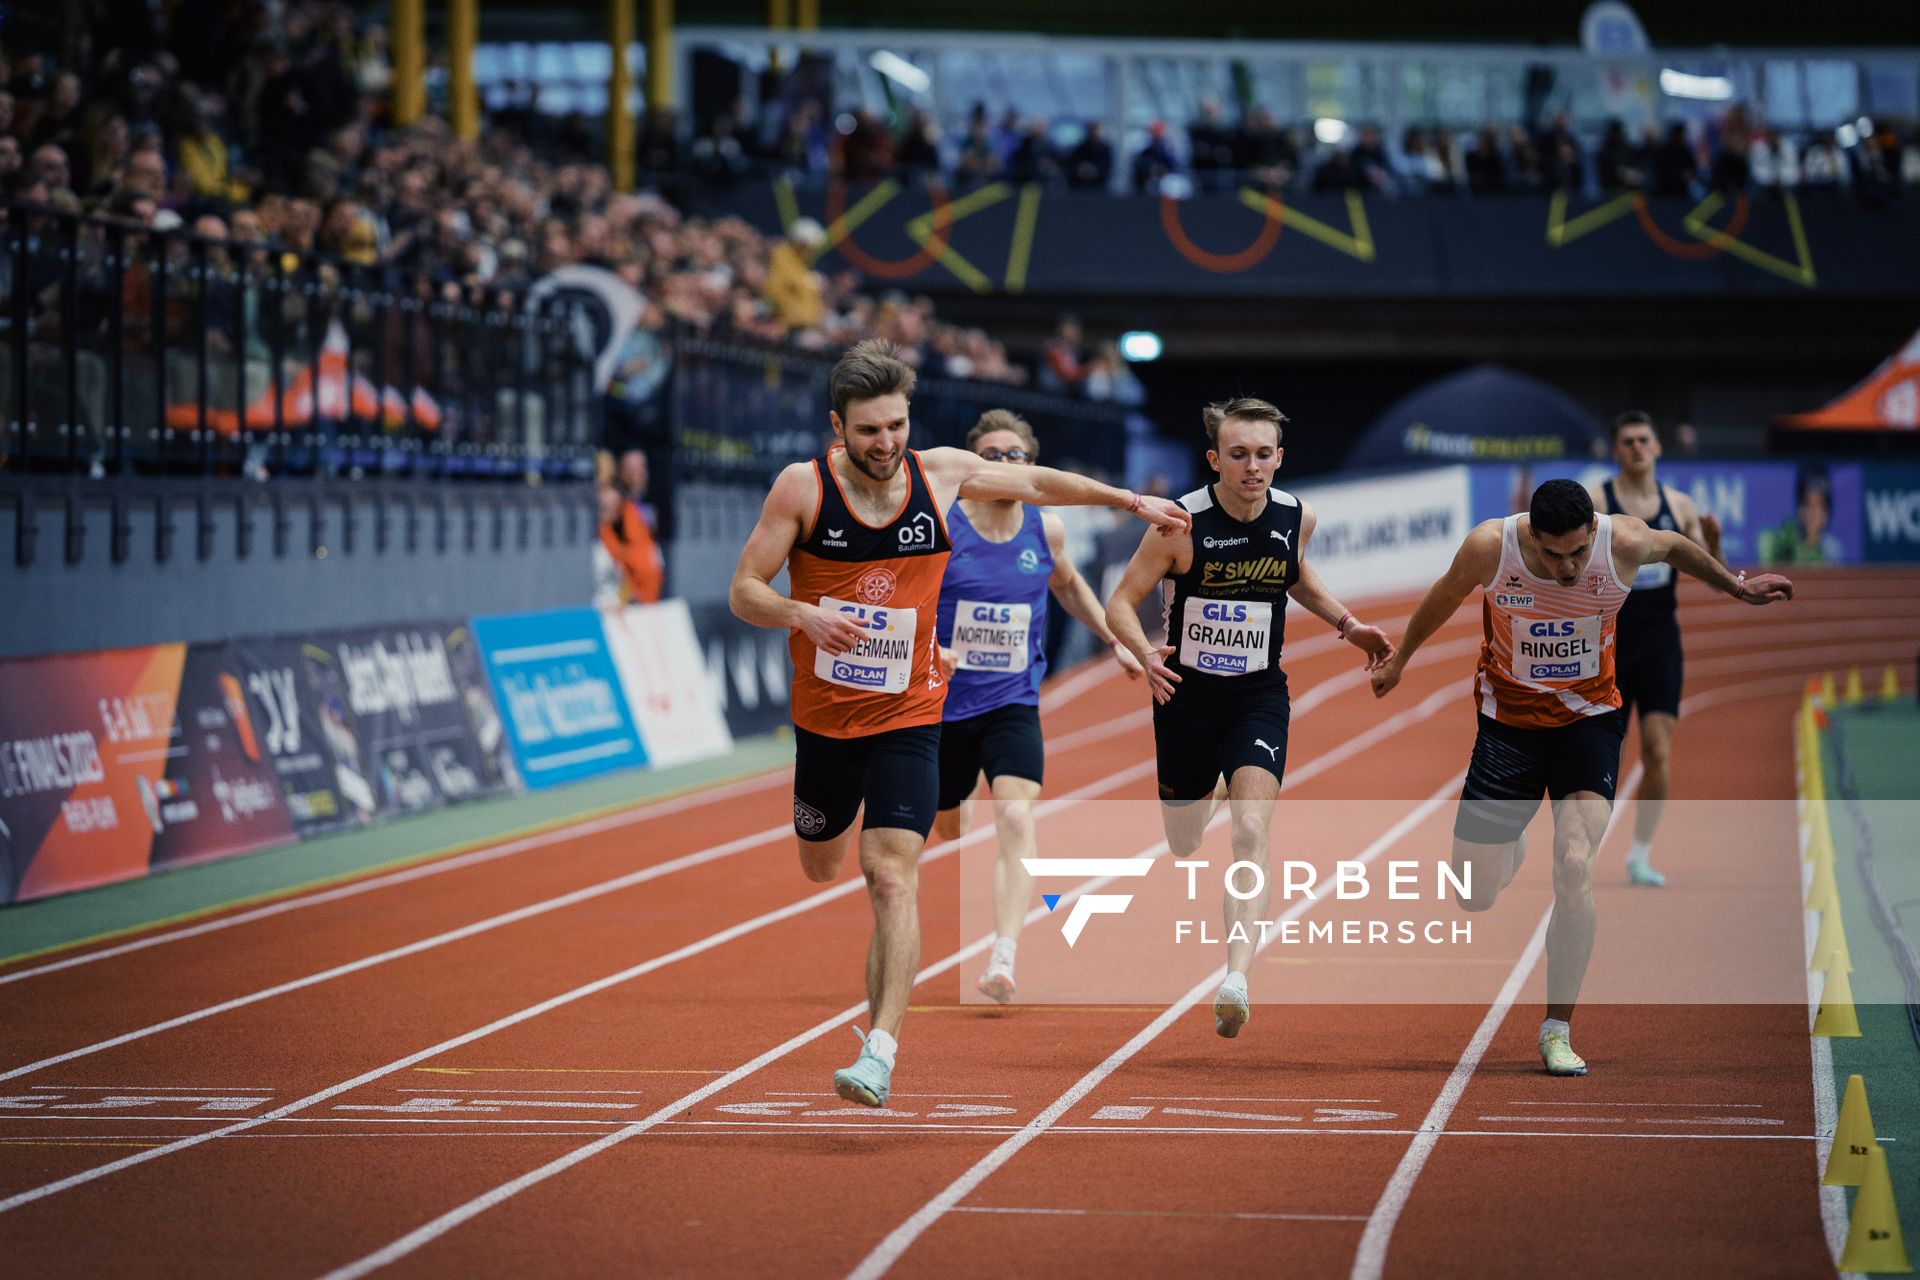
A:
[1557,1052]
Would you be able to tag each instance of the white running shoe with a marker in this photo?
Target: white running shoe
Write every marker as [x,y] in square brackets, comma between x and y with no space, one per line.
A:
[1230,1008]
[996,984]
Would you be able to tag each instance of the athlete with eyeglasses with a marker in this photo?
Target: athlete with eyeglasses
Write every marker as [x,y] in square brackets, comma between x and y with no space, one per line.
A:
[1007,557]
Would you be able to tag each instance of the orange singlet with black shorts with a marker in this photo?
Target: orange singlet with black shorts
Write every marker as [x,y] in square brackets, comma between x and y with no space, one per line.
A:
[886,578]
[1550,721]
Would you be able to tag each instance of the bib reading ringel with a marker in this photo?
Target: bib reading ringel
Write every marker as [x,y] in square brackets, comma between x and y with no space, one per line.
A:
[887,579]
[1226,615]
[1547,657]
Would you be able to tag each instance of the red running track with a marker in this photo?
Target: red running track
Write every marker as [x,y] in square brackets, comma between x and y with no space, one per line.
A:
[610,1052]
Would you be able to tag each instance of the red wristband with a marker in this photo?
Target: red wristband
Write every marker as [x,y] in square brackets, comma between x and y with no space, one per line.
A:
[1134,506]
[1341,629]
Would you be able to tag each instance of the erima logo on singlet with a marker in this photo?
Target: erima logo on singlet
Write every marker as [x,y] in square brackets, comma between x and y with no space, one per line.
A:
[834,538]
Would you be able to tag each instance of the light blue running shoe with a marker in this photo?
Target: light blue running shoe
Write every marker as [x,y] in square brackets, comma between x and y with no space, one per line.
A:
[868,1080]
[1643,876]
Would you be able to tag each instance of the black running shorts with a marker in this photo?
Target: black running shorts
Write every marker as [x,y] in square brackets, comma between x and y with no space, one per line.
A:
[896,774]
[1197,741]
[1648,673]
[1005,740]
[1512,768]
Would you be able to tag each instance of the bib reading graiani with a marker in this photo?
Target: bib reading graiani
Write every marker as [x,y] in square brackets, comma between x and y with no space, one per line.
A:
[1226,637]
[989,636]
[883,660]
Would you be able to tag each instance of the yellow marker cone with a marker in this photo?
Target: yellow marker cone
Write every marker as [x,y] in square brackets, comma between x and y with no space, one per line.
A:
[1853,1138]
[1836,1019]
[1890,685]
[1873,1238]
[1855,694]
[1823,892]
[1819,847]
[1830,948]
[1828,694]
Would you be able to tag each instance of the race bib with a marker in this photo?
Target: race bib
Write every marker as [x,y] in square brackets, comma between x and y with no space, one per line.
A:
[883,660]
[1556,649]
[1226,637]
[1653,575]
[991,637]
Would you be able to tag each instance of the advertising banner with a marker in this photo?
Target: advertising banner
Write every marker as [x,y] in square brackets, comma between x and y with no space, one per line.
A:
[1769,512]
[1391,534]
[408,716]
[566,716]
[1891,510]
[117,762]
[747,670]
[673,706]
[309,741]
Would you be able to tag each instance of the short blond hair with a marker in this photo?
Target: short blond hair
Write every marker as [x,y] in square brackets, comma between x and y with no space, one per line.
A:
[1005,420]
[1246,407]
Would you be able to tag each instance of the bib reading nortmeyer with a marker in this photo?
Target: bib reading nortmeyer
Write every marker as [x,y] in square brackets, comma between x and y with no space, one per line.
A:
[1546,650]
[989,636]
[1225,637]
[883,660]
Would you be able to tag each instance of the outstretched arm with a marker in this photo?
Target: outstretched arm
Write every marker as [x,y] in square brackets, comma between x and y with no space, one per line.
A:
[1311,594]
[1078,599]
[972,476]
[1642,545]
[785,519]
[1473,566]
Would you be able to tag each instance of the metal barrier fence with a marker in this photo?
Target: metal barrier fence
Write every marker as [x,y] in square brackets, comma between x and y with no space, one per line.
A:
[129,350]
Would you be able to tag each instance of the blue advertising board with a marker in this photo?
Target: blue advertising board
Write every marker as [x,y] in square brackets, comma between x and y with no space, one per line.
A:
[1770,512]
[1891,514]
[560,694]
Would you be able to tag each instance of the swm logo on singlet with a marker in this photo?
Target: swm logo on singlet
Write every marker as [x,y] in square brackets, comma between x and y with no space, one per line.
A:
[1243,575]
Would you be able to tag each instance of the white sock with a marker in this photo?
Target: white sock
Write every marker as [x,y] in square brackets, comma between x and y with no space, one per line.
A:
[1003,949]
[1551,1025]
[884,1047]
[1640,851]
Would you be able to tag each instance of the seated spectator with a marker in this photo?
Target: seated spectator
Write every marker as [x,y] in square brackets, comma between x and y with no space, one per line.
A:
[1421,168]
[1368,159]
[794,289]
[919,151]
[1823,166]
[50,168]
[1675,167]
[1337,173]
[979,159]
[1154,161]
[1562,164]
[1486,167]
[1034,159]
[1730,169]
[1617,162]
[1210,148]
[202,156]
[1267,154]
[11,163]
[1060,365]
[1090,164]
[1524,170]
[866,153]
[1771,161]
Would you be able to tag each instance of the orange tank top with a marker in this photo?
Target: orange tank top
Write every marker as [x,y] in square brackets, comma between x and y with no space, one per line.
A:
[887,578]
[1547,656]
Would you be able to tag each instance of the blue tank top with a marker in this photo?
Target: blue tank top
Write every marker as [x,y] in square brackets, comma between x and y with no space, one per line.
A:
[993,614]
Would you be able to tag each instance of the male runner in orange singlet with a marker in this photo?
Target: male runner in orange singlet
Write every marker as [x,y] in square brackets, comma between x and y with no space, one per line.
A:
[1554,579]
[862,533]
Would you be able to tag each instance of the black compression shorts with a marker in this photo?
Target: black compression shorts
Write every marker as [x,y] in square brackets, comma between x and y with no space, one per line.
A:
[896,774]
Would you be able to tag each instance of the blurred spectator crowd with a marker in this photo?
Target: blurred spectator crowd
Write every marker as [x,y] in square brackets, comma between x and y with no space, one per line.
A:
[267,126]
[1736,151]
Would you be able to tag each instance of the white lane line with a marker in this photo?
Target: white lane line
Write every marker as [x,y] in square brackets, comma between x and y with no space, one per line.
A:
[158,1088]
[1179,1097]
[1163,1213]
[533,910]
[1371,1258]
[1693,1106]
[902,1237]
[1109,783]
[439,866]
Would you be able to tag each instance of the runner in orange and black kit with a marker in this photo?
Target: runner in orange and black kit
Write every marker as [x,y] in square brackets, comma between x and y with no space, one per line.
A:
[862,533]
[1554,579]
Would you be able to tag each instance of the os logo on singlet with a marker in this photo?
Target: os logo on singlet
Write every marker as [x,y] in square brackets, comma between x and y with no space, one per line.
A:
[917,533]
